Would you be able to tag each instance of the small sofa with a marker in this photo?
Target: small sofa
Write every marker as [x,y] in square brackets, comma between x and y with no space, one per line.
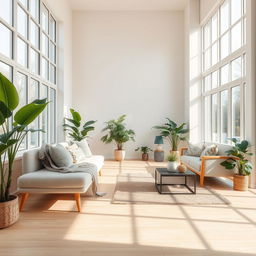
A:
[208,166]
[37,179]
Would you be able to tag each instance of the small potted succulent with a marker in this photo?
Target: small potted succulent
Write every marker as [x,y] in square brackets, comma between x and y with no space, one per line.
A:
[172,162]
[118,133]
[145,150]
[240,163]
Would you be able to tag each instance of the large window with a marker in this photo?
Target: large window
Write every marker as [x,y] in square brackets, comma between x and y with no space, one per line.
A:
[223,71]
[28,58]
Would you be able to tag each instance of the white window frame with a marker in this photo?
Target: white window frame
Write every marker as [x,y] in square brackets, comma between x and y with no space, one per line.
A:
[16,67]
[241,52]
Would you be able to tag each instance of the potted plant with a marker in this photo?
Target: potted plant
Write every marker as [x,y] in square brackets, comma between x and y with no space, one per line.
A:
[174,133]
[145,150]
[75,129]
[13,132]
[240,163]
[172,164]
[118,133]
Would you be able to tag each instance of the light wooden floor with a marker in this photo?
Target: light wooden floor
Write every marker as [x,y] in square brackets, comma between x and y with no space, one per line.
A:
[49,225]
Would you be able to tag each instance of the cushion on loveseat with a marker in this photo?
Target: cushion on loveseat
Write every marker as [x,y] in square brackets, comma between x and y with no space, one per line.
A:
[192,161]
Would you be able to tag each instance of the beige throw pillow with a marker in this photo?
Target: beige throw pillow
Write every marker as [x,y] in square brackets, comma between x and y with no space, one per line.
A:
[195,149]
[76,153]
[85,147]
[211,150]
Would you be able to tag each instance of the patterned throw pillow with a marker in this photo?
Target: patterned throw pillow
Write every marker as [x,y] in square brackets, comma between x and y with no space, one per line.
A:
[76,153]
[211,150]
[195,149]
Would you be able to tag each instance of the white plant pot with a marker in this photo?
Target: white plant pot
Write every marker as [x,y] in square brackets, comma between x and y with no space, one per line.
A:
[172,166]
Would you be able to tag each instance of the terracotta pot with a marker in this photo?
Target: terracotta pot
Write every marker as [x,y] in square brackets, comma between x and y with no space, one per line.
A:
[177,153]
[119,155]
[240,182]
[9,212]
[144,157]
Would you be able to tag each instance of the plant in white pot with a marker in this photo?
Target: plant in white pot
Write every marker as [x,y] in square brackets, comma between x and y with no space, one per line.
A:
[118,133]
[14,128]
[173,163]
[239,162]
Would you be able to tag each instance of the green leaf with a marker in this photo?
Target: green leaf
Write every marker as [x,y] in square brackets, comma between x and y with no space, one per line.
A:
[6,112]
[8,93]
[30,112]
[5,146]
[77,124]
[76,116]
[89,123]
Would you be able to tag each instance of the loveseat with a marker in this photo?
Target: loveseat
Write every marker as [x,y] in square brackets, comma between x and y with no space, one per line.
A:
[37,179]
[208,166]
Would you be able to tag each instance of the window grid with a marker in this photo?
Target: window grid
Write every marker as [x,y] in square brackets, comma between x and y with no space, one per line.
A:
[30,76]
[233,80]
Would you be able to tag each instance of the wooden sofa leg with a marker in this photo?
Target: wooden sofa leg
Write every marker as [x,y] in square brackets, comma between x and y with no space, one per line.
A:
[78,201]
[201,180]
[24,197]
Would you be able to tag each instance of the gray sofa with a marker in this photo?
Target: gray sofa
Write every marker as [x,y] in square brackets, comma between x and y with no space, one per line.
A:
[37,179]
[208,166]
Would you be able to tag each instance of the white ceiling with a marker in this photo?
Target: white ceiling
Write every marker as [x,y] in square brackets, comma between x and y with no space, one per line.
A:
[128,5]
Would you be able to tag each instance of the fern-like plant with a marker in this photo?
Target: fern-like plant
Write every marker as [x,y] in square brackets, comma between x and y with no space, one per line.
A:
[75,129]
[117,132]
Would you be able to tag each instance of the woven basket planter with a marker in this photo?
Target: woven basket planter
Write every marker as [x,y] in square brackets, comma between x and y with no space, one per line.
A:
[9,212]
[240,182]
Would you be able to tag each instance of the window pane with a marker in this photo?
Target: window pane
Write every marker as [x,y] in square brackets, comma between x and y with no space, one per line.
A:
[45,41]
[214,53]
[34,9]
[52,52]
[236,10]
[236,112]
[207,118]
[44,115]
[215,81]
[207,35]
[6,11]
[207,59]
[22,52]
[207,83]
[6,70]
[34,61]
[236,37]
[224,17]
[214,118]
[34,34]
[52,74]
[224,74]
[45,18]
[34,95]
[24,2]
[22,22]
[236,68]
[52,109]
[214,27]
[52,29]
[224,116]
[225,46]
[44,68]
[6,44]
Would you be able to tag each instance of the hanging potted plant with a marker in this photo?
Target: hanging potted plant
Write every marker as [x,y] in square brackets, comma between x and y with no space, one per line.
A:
[240,163]
[174,133]
[145,150]
[118,133]
[13,132]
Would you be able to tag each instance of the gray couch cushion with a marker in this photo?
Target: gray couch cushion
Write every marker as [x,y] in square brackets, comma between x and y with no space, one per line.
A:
[60,156]
[192,161]
[46,179]
[195,149]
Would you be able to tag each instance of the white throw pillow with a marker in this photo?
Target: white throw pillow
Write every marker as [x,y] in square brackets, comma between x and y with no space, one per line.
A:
[76,152]
[211,150]
[85,147]
[60,156]
[195,149]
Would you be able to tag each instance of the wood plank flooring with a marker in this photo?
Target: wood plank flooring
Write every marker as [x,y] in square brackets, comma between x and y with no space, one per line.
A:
[51,226]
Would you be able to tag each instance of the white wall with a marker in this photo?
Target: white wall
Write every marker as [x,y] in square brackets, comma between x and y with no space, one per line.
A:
[130,63]
[206,6]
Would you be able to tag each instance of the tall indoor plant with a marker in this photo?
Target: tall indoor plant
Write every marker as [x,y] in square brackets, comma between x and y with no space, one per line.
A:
[238,161]
[174,133]
[75,129]
[13,132]
[118,133]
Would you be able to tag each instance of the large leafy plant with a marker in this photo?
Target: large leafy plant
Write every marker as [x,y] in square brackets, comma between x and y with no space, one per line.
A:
[14,128]
[75,129]
[175,133]
[117,132]
[238,159]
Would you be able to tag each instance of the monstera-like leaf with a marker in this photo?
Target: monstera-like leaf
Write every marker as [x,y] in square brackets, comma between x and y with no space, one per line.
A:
[8,93]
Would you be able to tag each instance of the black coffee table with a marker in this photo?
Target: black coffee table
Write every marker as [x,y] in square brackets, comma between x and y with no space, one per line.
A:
[160,173]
